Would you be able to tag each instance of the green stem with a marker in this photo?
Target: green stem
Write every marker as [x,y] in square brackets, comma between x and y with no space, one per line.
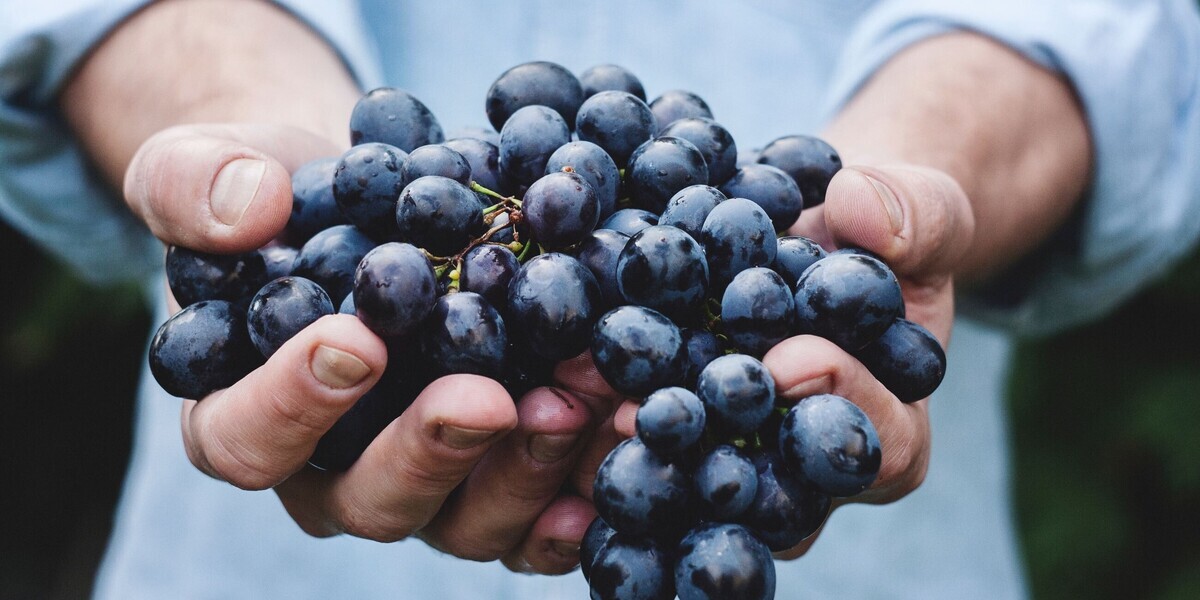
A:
[486,192]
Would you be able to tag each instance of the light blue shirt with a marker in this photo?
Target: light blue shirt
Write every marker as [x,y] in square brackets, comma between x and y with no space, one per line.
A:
[767,68]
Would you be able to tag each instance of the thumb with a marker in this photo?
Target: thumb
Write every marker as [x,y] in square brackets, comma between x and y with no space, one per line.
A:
[917,219]
[219,188]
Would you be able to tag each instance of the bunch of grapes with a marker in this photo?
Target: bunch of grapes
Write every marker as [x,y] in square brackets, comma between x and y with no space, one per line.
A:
[592,222]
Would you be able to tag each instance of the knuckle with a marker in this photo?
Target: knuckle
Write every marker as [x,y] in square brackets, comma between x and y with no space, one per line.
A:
[370,523]
[241,466]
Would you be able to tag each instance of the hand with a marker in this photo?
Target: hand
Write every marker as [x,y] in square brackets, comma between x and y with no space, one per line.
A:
[505,462]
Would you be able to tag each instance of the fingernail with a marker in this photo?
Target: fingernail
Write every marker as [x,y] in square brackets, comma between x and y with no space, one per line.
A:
[548,448]
[463,438]
[338,369]
[234,188]
[563,548]
[890,203]
[808,388]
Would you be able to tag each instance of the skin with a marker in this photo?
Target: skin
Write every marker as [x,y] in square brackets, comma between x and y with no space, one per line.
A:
[952,132]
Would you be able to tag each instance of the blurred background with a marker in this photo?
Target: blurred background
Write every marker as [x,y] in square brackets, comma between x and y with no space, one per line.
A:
[1105,421]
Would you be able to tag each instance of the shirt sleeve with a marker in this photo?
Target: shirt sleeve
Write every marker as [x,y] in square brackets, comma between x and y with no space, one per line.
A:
[48,191]
[1135,66]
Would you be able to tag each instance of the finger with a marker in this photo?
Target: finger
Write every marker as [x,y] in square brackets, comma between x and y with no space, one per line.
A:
[263,428]
[552,546]
[495,507]
[579,375]
[601,443]
[806,365]
[405,475]
[219,188]
[625,419]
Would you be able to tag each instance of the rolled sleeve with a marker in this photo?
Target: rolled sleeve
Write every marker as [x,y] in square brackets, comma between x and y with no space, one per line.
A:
[1134,66]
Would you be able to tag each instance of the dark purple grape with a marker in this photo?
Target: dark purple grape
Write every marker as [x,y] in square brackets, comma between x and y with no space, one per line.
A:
[810,161]
[639,493]
[465,334]
[435,159]
[795,255]
[487,270]
[718,560]
[771,189]
[757,311]
[670,420]
[201,349]
[313,205]
[784,511]
[282,308]
[195,276]
[599,252]
[663,268]
[555,302]
[438,214]
[527,140]
[714,142]
[849,299]
[906,359]
[484,159]
[726,483]
[678,104]
[597,534]
[347,306]
[738,393]
[618,122]
[661,167]
[602,78]
[688,208]
[366,183]
[541,82]
[737,235]
[279,260]
[560,209]
[475,132]
[830,444]
[394,289]
[629,221]
[593,164]
[330,258]
[702,347]
[395,117]
[638,350]
[525,369]
[632,568]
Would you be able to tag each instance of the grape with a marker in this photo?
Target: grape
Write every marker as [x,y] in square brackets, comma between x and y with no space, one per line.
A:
[533,83]
[738,393]
[394,289]
[638,493]
[737,236]
[618,122]
[465,334]
[597,534]
[201,349]
[771,189]
[906,359]
[631,568]
[438,214]
[663,268]
[678,104]
[629,221]
[701,347]
[555,301]
[330,258]
[714,142]
[194,276]
[474,132]
[365,185]
[688,208]
[849,299]
[601,78]
[661,167]
[784,511]
[282,308]
[527,140]
[487,270]
[829,443]
[593,164]
[279,260]
[638,350]
[670,420]
[484,159]
[795,254]
[726,483]
[718,561]
[435,159]
[599,252]
[757,311]
[395,117]
[313,205]
[347,306]
[560,209]
[810,161]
